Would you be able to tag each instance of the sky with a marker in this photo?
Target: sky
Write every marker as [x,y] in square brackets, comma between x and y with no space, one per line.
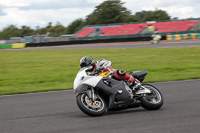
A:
[35,13]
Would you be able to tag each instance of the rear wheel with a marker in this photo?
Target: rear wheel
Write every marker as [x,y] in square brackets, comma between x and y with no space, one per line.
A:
[153,100]
[90,107]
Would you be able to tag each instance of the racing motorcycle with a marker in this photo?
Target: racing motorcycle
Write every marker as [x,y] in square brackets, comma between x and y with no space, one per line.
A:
[97,93]
[156,39]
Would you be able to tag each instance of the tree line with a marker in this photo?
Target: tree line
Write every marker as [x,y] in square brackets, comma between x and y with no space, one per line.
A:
[108,12]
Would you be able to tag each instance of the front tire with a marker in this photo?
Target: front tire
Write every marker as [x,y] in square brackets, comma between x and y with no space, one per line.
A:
[152,101]
[89,107]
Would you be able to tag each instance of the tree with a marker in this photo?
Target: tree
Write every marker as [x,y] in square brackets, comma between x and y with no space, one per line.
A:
[110,11]
[175,18]
[57,30]
[142,14]
[75,26]
[157,15]
[10,31]
[25,31]
[49,25]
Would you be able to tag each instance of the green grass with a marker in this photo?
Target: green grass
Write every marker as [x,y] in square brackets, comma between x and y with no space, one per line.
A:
[23,71]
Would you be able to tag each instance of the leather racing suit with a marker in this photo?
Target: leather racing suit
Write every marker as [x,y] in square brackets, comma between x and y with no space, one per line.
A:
[106,66]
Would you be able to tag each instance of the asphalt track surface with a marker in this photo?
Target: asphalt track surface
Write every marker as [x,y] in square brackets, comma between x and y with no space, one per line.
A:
[57,112]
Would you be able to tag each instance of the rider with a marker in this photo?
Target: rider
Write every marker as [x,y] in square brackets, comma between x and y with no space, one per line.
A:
[156,37]
[103,65]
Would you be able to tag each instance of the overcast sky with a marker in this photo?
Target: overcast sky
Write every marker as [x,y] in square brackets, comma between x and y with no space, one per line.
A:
[40,12]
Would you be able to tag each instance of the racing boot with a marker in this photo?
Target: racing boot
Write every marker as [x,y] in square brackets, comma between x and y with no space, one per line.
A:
[135,84]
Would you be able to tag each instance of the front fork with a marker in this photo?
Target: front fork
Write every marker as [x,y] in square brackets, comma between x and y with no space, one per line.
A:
[91,94]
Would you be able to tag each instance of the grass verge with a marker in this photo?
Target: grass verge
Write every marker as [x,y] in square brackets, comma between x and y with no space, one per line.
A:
[24,71]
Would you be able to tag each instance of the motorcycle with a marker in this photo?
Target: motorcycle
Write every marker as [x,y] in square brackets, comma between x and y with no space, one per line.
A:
[97,93]
[156,39]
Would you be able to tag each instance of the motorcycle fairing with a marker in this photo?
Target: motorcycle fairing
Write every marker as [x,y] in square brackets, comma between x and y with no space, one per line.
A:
[140,75]
[105,74]
[87,81]
[116,91]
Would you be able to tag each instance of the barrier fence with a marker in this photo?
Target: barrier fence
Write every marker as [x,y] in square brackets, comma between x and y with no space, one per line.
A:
[183,36]
[15,45]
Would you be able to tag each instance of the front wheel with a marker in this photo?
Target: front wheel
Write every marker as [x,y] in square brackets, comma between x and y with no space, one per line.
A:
[153,100]
[89,107]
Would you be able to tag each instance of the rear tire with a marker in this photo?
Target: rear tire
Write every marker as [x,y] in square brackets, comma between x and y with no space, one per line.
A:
[96,108]
[152,101]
